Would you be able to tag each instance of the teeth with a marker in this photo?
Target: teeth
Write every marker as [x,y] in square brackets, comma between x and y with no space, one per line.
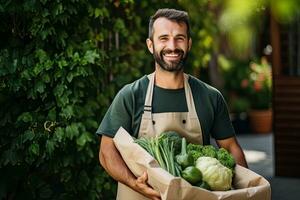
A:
[172,55]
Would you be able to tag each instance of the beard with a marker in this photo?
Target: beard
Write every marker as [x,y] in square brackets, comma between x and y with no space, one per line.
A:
[172,66]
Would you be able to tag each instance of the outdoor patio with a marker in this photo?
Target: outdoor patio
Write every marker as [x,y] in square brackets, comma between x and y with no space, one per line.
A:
[259,151]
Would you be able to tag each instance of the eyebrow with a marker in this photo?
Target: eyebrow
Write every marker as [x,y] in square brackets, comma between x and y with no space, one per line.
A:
[166,35]
[161,36]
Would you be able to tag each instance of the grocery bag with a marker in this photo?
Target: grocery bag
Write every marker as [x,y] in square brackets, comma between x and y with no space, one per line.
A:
[246,183]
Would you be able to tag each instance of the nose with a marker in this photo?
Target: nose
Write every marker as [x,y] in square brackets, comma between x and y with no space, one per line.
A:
[171,44]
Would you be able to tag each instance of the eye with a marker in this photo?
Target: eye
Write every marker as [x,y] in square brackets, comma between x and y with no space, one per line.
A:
[180,39]
[163,39]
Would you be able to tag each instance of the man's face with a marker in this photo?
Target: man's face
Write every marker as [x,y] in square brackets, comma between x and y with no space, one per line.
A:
[170,44]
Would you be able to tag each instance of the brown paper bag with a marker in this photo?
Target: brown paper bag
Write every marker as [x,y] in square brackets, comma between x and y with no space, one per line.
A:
[247,184]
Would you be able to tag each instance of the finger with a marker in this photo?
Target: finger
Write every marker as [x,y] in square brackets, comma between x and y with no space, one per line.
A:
[152,192]
[149,191]
[143,178]
[155,198]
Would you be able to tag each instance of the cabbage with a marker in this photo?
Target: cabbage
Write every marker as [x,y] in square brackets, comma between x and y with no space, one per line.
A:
[214,173]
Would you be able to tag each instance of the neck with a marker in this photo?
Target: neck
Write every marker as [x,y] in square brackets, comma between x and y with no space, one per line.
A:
[169,80]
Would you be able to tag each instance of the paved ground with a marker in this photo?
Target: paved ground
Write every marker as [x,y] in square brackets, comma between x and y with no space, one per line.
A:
[260,157]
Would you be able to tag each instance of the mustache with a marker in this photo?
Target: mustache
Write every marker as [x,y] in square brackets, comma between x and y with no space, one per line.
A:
[176,51]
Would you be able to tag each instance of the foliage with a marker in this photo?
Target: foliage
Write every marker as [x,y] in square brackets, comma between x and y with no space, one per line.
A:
[236,94]
[206,37]
[60,67]
[240,19]
[251,87]
[259,84]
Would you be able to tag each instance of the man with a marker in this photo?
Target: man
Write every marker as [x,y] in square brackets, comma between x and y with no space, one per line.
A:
[167,99]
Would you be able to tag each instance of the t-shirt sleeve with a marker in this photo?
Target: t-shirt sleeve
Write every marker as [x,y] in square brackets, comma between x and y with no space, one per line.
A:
[222,126]
[117,115]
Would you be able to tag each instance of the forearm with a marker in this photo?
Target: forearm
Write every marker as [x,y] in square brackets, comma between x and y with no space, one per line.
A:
[232,145]
[239,156]
[113,163]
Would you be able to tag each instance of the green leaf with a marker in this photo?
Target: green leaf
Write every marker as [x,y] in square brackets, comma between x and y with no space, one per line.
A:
[70,77]
[52,114]
[25,117]
[41,55]
[62,63]
[50,146]
[59,89]
[46,78]
[13,67]
[40,86]
[91,123]
[83,139]
[72,131]
[34,149]
[98,12]
[63,101]
[37,69]
[28,135]
[59,134]
[81,71]
[90,56]
[26,74]
[67,112]
[119,25]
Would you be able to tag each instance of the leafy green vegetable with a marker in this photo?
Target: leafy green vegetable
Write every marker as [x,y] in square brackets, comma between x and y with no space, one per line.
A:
[162,149]
[175,138]
[213,169]
[214,173]
[221,154]
[226,158]
[210,151]
[184,159]
[200,150]
[204,185]
[192,174]
[195,150]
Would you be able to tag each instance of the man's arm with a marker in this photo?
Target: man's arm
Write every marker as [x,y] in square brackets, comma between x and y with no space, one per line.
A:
[115,166]
[232,145]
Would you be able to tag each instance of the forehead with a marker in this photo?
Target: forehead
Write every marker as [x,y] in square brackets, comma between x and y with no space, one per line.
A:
[164,26]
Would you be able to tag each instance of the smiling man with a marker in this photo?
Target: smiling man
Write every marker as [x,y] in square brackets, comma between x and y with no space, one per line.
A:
[170,46]
[167,99]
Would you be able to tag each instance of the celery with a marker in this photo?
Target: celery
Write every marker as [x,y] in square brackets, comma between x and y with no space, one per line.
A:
[162,149]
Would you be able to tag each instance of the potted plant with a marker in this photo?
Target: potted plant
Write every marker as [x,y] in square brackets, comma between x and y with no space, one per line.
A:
[259,86]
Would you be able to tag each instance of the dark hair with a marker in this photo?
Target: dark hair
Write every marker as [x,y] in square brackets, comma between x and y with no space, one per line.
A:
[171,14]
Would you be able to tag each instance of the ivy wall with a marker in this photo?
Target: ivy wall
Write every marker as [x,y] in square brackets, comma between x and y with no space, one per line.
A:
[61,63]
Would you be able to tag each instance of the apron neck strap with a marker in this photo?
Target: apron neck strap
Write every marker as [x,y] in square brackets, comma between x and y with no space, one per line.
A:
[149,94]
[188,95]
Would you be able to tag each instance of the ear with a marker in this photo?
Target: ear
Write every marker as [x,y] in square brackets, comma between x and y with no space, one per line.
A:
[190,44]
[150,45]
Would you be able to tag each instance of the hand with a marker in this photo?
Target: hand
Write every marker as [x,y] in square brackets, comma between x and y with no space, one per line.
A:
[142,187]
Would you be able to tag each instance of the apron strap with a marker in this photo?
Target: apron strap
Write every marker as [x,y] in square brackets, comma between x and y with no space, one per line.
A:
[188,95]
[189,98]
[148,99]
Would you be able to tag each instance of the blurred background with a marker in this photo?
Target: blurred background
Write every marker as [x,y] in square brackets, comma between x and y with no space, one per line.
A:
[62,62]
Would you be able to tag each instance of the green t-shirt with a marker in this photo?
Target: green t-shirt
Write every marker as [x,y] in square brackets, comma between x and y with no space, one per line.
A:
[127,108]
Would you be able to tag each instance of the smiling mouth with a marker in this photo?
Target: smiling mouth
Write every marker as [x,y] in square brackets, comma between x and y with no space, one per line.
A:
[172,56]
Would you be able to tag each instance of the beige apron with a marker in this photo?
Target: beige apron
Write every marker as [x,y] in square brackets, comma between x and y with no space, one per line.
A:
[152,124]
